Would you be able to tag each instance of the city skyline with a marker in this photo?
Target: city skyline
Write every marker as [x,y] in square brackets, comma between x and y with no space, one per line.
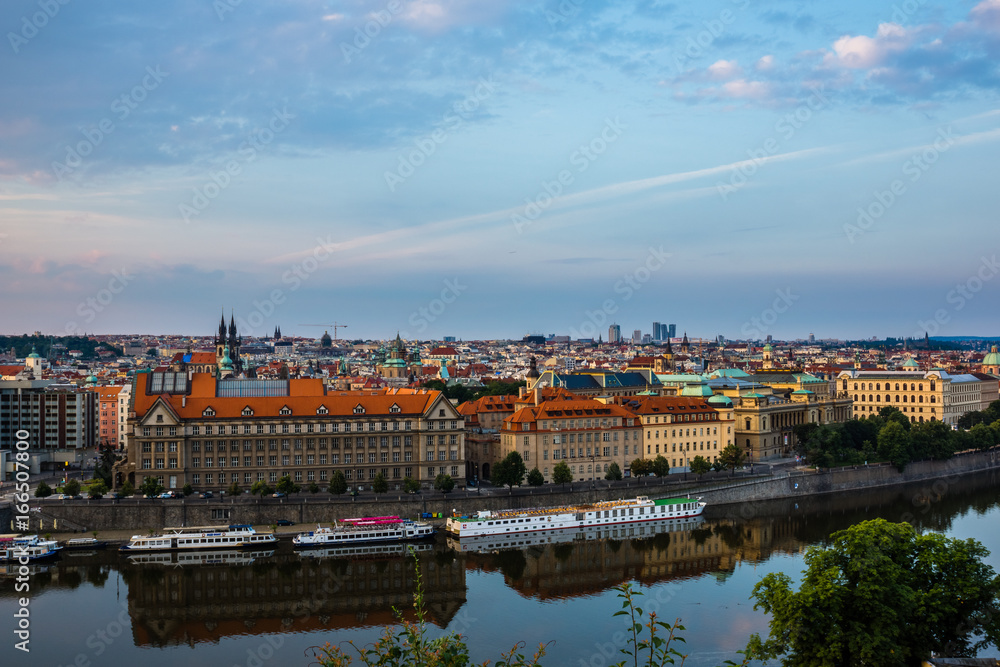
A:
[441,167]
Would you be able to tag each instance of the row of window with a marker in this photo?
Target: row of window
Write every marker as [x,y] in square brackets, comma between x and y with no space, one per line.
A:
[685,432]
[286,444]
[248,428]
[350,474]
[684,447]
[888,399]
[878,386]
[673,419]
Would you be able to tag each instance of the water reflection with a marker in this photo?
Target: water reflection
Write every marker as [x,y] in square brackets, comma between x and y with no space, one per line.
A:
[186,599]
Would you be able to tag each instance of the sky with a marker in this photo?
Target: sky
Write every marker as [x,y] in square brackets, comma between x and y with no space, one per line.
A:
[491,169]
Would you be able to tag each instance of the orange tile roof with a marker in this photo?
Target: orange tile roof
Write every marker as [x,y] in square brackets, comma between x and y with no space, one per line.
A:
[305,397]
[11,370]
[648,405]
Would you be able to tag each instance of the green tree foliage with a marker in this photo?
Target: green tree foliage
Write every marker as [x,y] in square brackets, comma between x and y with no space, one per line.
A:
[97,489]
[614,472]
[561,473]
[128,489]
[700,465]
[987,416]
[893,414]
[444,483]
[731,458]
[260,488]
[509,472]
[187,490]
[338,483]
[661,466]
[410,485]
[104,465]
[641,467]
[286,485]
[881,594]
[43,490]
[894,444]
[234,489]
[379,485]
[22,345]
[71,488]
[313,488]
[535,477]
[150,486]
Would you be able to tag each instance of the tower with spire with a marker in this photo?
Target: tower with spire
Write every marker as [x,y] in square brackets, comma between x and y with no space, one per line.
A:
[228,340]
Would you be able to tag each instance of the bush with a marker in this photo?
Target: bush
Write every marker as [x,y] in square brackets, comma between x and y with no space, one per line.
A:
[43,490]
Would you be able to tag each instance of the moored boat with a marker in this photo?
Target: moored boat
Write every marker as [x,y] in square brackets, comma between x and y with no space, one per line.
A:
[606,513]
[237,536]
[17,548]
[84,543]
[365,529]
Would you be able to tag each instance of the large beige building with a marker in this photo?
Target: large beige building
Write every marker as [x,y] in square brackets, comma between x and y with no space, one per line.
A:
[680,428]
[922,396]
[192,428]
[587,434]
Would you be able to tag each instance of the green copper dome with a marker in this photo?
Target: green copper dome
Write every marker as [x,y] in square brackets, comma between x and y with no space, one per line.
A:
[226,364]
[34,353]
[993,358]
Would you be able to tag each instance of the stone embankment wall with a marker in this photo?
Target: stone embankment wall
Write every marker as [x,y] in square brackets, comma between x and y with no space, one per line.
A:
[145,515]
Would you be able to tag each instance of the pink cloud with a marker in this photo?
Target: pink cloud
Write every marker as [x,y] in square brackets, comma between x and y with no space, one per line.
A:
[863,52]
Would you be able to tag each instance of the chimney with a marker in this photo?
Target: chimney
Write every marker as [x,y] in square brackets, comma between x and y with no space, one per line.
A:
[538,395]
[520,392]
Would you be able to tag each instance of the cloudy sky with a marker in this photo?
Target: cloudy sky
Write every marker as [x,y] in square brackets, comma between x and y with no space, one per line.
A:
[489,168]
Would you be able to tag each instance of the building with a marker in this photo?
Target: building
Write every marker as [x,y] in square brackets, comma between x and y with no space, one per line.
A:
[587,434]
[108,423]
[636,336]
[922,396]
[656,332]
[681,427]
[61,421]
[671,331]
[599,383]
[614,333]
[200,430]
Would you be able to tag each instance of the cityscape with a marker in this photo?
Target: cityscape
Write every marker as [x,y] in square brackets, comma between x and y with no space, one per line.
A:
[340,330]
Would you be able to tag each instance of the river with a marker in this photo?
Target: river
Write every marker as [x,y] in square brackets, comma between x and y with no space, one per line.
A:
[255,610]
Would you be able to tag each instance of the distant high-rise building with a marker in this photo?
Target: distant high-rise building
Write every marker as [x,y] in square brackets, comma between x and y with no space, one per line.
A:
[656,331]
[449,339]
[637,336]
[768,338]
[671,331]
[614,334]
[812,338]
[646,339]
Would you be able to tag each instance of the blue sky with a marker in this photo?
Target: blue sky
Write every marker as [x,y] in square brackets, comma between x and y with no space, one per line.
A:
[490,169]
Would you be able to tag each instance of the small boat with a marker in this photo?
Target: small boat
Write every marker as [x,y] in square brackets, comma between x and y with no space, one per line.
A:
[84,543]
[15,548]
[237,536]
[606,513]
[365,529]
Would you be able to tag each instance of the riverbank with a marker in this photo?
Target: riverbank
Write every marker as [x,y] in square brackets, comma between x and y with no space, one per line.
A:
[143,515]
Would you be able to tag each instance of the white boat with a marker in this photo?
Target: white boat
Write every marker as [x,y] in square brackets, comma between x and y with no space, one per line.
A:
[237,536]
[15,548]
[392,549]
[606,513]
[365,529]
[493,543]
[182,558]
[84,543]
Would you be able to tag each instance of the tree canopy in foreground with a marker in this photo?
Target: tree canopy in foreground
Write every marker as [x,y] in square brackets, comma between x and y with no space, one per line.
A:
[881,594]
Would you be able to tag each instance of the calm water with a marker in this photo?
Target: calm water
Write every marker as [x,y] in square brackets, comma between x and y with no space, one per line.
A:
[103,609]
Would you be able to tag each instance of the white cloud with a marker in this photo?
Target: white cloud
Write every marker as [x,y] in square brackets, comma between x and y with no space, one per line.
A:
[863,52]
[724,70]
[765,63]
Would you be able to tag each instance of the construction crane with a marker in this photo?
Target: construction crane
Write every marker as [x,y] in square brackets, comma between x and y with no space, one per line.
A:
[334,326]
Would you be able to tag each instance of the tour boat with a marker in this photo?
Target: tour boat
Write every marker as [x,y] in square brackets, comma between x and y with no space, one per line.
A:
[494,543]
[605,513]
[365,529]
[84,543]
[203,537]
[15,548]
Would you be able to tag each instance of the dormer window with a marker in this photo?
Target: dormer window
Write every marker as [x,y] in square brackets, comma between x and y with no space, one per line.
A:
[359,410]
[321,410]
[208,412]
[394,408]
[247,411]
[285,410]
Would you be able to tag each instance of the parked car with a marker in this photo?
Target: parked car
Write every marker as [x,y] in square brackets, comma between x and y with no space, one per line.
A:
[206,494]
[284,522]
[114,495]
[168,494]
[278,494]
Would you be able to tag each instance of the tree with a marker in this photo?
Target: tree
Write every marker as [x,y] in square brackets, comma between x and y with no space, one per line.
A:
[313,488]
[444,483]
[410,485]
[881,594]
[43,490]
[97,489]
[104,465]
[71,488]
[509,472]
[561,473]
[187,490]
[641,467]
[379,485]
[150,486]
[286,485]
[128,489]
[234,489]
[700,465]
[614,472]
[894,444]
[661,466]
[338,484]
[535,477]
[731,457]
[260,488]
